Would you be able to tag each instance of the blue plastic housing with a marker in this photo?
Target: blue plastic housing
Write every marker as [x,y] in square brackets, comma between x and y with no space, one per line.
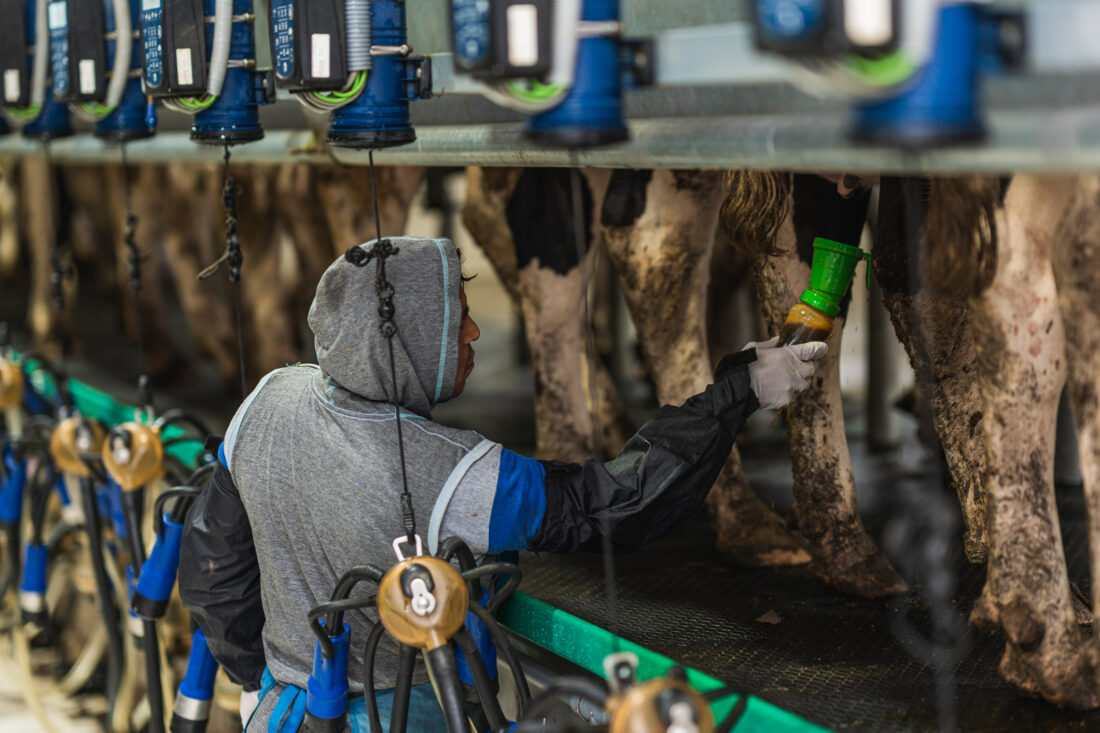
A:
[158,574]
[198,681]
[234,117]
[11,491]
[379,116]
[34,569]
[130,120]
[53,120]
[592,112]
[941,106]
[327,688]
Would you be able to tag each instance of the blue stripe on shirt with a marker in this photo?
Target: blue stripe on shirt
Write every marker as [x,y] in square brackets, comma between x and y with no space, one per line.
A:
[519,504]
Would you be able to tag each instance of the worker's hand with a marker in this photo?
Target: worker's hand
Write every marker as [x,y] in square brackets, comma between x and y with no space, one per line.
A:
[249,702]
[780,372]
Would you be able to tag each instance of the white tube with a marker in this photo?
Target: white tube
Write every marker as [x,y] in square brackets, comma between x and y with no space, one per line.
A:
[566,16]
[124,44]
[219,49]
[358,35]
[40,70]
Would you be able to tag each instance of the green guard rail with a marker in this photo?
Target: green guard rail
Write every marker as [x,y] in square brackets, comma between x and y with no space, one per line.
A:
[571,638]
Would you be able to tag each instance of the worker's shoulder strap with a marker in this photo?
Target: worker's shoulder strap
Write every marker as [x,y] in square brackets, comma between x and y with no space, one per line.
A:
[445,496]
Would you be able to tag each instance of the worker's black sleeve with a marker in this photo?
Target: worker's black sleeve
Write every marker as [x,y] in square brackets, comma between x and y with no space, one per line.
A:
[661,476]
[219,580]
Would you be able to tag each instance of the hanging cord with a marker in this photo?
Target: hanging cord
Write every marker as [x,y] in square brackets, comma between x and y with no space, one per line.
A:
[62,270]
[359,257]
[235,258]
[593,396]
[133,261]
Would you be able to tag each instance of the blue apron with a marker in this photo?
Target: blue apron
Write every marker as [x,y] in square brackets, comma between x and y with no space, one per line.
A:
[290,709]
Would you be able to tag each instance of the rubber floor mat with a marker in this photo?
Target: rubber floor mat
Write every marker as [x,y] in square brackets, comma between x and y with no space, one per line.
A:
[781,635]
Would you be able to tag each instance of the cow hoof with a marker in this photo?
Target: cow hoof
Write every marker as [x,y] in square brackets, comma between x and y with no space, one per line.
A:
[764,543]
[870,575]
[1064,673]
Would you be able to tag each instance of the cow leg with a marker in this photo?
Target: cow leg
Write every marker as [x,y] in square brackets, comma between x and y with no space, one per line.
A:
[659,231]
[271,337]
[38,191]
[845,556]
[347,199]
[147,202]
[936,331]
[1021,365]
[1076,261]
[523,220]
[9,216]
[189,243]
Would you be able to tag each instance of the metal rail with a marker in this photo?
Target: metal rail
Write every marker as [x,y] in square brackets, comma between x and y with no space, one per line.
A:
[1054,141]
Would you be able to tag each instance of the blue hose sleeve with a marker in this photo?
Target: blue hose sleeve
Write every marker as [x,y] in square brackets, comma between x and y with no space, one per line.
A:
[327,689]
[158,574]
[198,682]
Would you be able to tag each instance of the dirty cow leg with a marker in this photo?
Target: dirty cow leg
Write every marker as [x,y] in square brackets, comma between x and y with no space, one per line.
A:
[1076,261]
[935,329]
[190,244]
[845,556]
[39,194]
[659,229]
[523,220]
[1021,367]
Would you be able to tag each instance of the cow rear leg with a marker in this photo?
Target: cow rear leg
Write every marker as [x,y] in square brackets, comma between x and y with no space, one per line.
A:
[1021,363]
[936,331]
[844,554]
[523,221]
[659,230]
[1076,260]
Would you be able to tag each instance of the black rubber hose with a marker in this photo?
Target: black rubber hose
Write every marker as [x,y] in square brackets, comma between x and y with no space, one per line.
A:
[441,661]
[489,703]
[455,548]
[370,650]
[176,416]
[578,686]
[40,500]
[503,647]
[344,587]
[199,478]
[515,575]
[108,608]
[399,713]
[132,506]
[13,566]
[185,494]
[328,651]
[734,717]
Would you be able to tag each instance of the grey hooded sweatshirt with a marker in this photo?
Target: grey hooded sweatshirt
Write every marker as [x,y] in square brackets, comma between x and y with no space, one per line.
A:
[310,480]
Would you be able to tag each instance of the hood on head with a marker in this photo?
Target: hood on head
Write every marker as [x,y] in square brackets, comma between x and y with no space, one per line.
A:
[351,348]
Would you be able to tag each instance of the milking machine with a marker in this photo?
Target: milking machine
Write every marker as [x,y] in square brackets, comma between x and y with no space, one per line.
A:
[96,61]
[28,100]
[350,58]
[201,58]
[563,63]
[911,68]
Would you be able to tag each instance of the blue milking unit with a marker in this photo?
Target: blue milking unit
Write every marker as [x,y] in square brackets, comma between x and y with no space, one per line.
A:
[941,104]
[196,691]
[200,58]
[379,116]
[158,574]
[133,116]
[234,116]
[563,64]
[592,113]
[28,98]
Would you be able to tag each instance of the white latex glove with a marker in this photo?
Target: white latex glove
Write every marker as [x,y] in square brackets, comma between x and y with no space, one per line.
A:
[780,372]
[249,702]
